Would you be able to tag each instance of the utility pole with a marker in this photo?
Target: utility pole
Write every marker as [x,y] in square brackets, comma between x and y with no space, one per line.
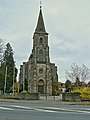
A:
[23,76]
[18,86]
[5,80]
[13,77]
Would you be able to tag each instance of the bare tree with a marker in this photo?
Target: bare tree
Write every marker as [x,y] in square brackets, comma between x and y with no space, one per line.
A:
[74,72]
[1,48]
[85,73]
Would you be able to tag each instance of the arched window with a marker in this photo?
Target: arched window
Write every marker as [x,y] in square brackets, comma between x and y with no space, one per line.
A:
[40,82]
[41,55]
[41,52]
[41,40]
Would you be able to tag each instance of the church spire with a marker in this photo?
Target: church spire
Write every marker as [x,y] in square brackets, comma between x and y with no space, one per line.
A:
[40,24]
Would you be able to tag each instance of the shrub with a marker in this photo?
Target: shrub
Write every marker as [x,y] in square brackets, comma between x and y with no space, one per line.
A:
[85,92]
[24,91]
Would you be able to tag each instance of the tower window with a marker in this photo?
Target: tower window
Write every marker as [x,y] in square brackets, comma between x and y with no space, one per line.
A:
[41,40]
[41,52]
[41,55]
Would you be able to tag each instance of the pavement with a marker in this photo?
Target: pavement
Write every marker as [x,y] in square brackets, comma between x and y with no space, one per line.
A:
[46,101]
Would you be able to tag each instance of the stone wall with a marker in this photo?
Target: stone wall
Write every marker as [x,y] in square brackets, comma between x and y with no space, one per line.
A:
[25,96]
[28,96]
[52,98]
[71,96]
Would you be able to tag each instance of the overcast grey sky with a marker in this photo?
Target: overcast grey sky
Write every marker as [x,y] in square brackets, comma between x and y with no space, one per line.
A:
[66,21]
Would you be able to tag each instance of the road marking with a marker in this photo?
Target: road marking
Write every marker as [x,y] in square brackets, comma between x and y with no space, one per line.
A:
[69,110]
[4,108]
[46,109]
[43,110]
[52,109]
[29,108]
[21,107]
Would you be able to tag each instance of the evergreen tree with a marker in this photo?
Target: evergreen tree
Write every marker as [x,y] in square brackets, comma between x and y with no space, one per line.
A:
[8,62]
[77,83]
[1,48]
[68,85]
[2,77]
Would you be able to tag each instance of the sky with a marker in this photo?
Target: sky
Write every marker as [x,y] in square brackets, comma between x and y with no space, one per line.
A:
[66,21]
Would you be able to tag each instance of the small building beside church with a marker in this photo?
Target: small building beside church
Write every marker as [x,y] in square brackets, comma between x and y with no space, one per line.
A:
[38,73]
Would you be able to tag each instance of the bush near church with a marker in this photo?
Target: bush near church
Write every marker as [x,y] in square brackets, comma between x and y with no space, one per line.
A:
[55,92]
[84,91]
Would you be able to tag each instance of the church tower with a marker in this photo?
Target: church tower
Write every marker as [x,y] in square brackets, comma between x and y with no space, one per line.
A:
[40,41]
[42,74]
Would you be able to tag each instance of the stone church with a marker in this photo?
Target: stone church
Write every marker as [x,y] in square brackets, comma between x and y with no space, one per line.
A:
[39,73]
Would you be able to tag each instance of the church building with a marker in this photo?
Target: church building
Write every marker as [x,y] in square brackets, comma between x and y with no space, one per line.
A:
[38,72]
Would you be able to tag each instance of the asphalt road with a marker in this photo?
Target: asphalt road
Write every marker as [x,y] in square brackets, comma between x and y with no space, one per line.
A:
[26,110]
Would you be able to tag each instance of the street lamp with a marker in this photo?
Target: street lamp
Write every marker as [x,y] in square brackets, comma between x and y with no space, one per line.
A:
[5,80]
[13,76]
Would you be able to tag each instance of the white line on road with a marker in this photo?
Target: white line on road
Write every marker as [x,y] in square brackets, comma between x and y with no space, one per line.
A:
[52,109]
[46,109]
[29,108]
[4,108]
[69,110]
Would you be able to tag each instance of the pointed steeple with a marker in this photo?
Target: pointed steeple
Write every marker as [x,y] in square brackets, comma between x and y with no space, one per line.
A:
[40,24]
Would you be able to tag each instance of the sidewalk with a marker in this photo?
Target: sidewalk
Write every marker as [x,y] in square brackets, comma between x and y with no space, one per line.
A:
[42,101]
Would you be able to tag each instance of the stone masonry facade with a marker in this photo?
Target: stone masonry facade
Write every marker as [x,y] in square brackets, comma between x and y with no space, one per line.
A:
[40,74]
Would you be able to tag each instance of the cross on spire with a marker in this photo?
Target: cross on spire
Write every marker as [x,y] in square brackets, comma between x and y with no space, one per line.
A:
[40,4]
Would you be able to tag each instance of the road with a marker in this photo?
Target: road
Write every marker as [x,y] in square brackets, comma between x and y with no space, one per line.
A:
[34,110]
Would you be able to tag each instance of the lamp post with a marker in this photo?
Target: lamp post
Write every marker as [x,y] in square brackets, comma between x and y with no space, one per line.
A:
[5,80]
[13,76]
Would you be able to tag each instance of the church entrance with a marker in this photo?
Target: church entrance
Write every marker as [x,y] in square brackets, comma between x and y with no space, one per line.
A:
[41,87]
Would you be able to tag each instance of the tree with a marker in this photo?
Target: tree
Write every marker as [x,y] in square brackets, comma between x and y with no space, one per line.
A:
[85,73]
[15,87]
[68,85]
[2,77]
[8,61]
[74,72]
[1,66]
[77,83]
[55,90]
[88,84]
[1,48]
